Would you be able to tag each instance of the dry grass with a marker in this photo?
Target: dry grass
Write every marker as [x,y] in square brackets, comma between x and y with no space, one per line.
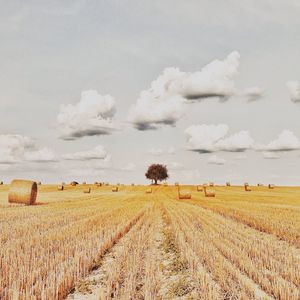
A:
[238,246]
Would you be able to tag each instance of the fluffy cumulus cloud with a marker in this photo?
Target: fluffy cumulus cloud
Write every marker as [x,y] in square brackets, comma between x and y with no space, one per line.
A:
[92,115]
[97,152]
[215,160]
[212,138]
[13,148]
[18,148]
[41,155]
[253,93]
[294,90]
[163,103]
[286,141]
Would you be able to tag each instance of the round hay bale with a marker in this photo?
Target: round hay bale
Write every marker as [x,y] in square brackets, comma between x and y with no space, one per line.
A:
[149,191]
[247,188]
[74,183]
[87,191]
[115,189]
[208,192]
[60,187]
[199,188]
[184,194]
[1,182]
[22,191]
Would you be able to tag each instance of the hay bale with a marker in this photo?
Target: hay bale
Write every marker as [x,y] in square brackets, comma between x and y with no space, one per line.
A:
[60,187]
[260,184]
[228,184]
[149,191]
[115,189]
[1,182]
[211,184]
[199,188]
[132,184]
[271,186]
[208,193]
[99,184]
[87,191]
[74,183]
[184,194]
[22,191]
[247,188]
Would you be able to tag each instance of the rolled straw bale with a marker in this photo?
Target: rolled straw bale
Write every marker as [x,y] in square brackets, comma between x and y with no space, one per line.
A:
[96,182]
[208,193]
[228,184]
[184,194]
[247,188]
[199,188]
[87,191]
[22,191]
[1,182]
[246,183]
[271,186]
[74,183]
[149,191]
[60,187]
[211,184]
[115,189]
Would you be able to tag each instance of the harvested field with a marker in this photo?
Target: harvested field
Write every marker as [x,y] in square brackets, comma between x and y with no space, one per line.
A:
[130,245]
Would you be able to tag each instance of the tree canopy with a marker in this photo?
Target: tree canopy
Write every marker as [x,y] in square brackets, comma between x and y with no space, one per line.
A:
[157,172]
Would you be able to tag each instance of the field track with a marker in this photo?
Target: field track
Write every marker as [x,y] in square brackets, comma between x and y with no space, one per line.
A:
[133,245]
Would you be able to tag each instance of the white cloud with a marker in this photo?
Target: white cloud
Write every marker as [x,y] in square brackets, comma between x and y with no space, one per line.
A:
[42,155]
[253,93]
[237,142]
[92,115]
[163,103]
[270,155]
[215,160]
[212,138]
[294,90]
[286,141]
[13,147]
[97,152]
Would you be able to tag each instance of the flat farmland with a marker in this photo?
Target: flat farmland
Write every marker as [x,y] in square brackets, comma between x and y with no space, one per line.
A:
[136,245]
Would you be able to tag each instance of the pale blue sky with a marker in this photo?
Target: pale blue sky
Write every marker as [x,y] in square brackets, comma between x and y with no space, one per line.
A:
[51,51]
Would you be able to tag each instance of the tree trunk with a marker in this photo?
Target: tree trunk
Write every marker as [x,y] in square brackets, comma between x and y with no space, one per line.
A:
[155,181]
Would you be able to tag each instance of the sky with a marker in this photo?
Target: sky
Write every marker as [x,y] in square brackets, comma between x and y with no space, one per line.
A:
[99,90]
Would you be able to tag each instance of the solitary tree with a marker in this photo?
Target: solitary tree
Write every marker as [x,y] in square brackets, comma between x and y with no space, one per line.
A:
[157,172]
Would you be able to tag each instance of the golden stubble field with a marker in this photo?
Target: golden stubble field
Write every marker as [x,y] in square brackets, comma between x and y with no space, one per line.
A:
[133,245]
